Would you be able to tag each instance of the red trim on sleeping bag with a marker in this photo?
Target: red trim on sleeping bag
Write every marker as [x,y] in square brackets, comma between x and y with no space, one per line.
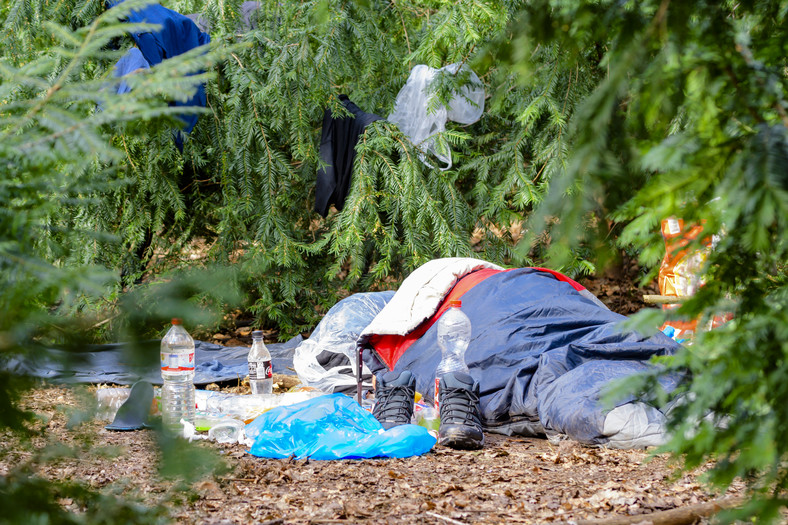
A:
[561,277]
[391,347]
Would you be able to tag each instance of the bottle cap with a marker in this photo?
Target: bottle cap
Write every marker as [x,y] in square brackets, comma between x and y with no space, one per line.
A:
[455,304]
[257,333]
[176,320]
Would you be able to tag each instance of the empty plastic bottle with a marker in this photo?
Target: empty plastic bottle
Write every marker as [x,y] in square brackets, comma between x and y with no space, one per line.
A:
[454,334]
[177,373]
[205,399]
[109,400]
[261,377]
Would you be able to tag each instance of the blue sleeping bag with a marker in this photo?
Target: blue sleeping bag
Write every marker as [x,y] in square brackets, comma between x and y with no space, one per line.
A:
[543,352]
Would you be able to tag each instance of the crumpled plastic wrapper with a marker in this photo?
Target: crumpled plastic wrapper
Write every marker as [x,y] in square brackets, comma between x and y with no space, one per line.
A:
[679,275]
[422,124]
[328,359]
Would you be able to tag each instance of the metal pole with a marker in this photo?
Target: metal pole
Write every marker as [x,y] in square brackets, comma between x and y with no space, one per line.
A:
[358,372]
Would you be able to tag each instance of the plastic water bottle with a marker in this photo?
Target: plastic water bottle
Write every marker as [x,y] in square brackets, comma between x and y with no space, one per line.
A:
[454,334]
[261,377]
[109,400]
[177,373]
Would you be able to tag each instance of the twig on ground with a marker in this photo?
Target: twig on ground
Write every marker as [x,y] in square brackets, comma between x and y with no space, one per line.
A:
[677,516]
[247,480]
[663,299]
[105,321]
[445,518]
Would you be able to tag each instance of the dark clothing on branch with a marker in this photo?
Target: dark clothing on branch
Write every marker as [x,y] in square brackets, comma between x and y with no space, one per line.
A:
[337,151]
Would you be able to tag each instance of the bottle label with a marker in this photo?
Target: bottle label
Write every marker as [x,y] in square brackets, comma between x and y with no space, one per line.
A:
[260,370]
[437,389]
[674,228]
[181,362]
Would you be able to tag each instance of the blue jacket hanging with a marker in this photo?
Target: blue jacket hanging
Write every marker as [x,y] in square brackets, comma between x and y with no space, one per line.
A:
[177,35]
[129,63]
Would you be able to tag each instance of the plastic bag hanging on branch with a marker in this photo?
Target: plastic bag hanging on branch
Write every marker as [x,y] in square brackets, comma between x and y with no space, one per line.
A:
[422,120]
[680,275]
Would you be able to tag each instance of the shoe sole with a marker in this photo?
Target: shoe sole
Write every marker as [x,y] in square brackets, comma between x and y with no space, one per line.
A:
[460,437]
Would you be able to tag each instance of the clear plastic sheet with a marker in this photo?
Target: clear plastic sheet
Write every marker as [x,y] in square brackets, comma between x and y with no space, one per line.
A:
[327,360]
[468,105]
[422,124]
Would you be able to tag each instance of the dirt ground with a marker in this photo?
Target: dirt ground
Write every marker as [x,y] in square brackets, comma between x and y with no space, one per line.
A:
[511,480]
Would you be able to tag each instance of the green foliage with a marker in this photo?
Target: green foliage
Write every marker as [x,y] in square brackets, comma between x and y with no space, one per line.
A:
[88,189]
[690,121]
[270,100]
[602,119]
[243,188]
[58,115]
[30,499]
[202,461]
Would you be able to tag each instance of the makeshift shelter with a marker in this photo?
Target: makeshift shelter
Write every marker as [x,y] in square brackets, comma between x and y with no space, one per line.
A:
[543,349]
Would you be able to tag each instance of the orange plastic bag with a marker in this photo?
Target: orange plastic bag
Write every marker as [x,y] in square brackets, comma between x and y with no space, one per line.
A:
[679,274]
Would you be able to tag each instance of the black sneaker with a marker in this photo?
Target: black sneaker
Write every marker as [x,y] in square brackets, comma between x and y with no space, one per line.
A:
[461,425]
[394,394]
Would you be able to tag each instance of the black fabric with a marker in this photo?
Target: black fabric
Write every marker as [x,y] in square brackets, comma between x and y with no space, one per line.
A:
[337,363]
[337,151]
[328,360]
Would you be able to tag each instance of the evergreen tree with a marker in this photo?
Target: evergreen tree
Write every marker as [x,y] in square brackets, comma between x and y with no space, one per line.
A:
[88,187]
[244,184]
[58,113]
[690,121]
[601,117]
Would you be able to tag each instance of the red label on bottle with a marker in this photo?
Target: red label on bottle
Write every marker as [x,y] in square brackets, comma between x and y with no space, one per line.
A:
[437,389]
[178,362]
[260,370]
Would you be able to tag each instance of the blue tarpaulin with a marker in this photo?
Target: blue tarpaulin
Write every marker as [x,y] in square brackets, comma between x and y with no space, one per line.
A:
[332,427]
[121,364]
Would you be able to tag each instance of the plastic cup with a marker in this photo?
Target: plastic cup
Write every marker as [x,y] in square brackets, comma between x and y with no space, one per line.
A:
[226,431]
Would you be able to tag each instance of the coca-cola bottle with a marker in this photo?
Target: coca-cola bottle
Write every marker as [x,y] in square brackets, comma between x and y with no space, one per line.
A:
[261,377]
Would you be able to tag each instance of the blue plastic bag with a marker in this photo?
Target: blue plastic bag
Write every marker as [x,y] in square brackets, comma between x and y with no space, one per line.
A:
[332,427]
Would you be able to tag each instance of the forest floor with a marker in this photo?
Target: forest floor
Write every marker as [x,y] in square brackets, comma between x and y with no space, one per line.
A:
[511,480]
